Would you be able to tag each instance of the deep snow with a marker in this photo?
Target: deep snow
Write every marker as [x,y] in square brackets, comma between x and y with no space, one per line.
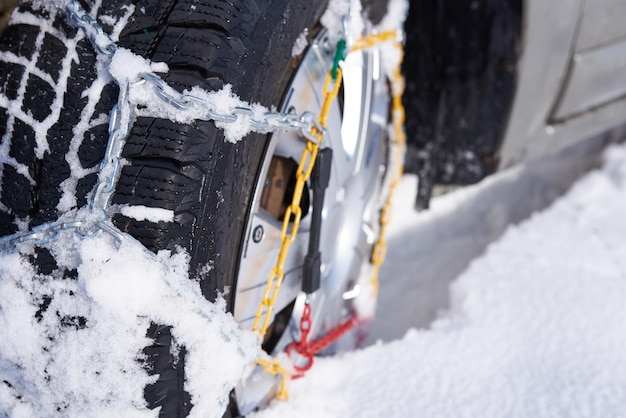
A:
[441,242]
[535,326]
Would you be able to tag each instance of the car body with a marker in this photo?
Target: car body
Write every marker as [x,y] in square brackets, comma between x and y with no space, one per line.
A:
[523,80]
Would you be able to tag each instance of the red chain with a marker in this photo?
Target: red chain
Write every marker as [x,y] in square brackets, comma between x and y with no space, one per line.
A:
[309,350]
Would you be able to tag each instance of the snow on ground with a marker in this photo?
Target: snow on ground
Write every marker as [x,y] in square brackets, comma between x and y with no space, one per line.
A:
[441,242]
[535,326]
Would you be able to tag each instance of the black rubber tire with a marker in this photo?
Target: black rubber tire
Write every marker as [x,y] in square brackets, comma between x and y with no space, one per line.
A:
[189,169]
[460,65]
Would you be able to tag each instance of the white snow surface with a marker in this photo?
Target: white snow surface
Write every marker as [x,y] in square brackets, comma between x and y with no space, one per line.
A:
[301,43]
[50,4]
[142,213]
[332,19]
[91,365]
[535,326]
[392,56]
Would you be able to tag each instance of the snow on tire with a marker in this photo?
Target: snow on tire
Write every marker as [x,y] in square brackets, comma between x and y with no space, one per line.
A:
[55,100]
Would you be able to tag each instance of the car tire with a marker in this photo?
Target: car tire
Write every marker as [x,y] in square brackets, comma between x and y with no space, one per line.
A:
[187,168]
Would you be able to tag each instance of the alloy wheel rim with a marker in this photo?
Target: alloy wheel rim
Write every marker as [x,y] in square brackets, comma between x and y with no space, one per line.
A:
[356,132]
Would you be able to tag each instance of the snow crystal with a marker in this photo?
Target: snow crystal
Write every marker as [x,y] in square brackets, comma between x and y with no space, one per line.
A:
[391,55]
[395,16]
[301,43]
[333,20]
[109,20]
[126,66]
[50,5]
[143,213]
[115,296]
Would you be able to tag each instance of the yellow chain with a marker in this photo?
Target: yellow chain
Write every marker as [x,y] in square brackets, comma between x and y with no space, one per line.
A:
[305,167]
[374,39]
[399,144]
[273,367]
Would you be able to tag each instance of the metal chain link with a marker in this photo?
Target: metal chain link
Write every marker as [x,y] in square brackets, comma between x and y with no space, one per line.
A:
[100,40]
[375,39]
[293,212]
[309,349]
[292,216]
[305,348]
[311,128]
[269,121]
[120,125]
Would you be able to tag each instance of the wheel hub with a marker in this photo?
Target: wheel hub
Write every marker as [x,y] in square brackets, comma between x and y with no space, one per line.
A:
[355,132]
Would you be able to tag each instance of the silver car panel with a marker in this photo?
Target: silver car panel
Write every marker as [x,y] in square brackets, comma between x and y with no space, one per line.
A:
[597,77]
[571,79]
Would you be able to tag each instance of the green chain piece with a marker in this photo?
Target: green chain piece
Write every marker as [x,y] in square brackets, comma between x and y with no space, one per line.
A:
[340,55]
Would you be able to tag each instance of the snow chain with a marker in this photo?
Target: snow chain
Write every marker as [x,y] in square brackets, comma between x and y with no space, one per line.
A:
[294,212]
[312,130]
[305,167]
[399,145]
